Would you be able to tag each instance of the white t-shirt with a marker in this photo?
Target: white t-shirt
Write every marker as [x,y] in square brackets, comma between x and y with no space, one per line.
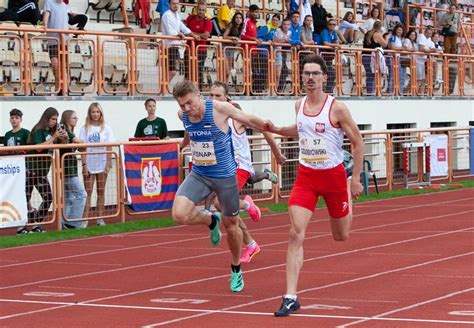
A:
[94,134]
[425,42]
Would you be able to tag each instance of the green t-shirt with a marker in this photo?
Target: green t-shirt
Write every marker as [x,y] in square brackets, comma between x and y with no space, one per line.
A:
[155,128]
[18,138]
[40,165]
[70,162]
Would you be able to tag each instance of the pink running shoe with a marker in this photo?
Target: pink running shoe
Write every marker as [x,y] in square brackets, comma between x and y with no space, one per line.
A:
[249,252]
[253,210]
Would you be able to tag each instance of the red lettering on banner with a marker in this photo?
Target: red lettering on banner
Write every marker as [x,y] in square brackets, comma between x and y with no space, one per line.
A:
[441,155]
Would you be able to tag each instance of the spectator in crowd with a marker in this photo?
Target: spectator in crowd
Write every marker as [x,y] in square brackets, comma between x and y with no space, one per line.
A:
[21,11]
[439,50]
[282,35]
[348,28]
[301,6]
[374,17]
[45,132]
[249,33]
[233,32]
[442,6]
[450,24]
[152,125]
[427,46]
[331,39]
[320,20]
[195,9]
[201,27]
[224,17]
[172,25]
[74,193]
[161,7]
[307,31]
[18,136]
[295,28]
[373,39]
[55,16]
[79,20]
[266,34]
[410,45]
[395,43]
[96,167]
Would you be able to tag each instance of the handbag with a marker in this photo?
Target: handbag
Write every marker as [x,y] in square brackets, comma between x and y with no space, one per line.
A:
[446,31]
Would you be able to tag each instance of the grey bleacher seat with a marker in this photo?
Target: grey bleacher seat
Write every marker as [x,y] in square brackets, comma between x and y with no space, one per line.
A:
[81,65]
[42,71]
[115,65]
[9,60]
[98,6]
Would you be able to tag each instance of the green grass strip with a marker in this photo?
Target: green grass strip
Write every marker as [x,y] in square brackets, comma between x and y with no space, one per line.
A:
[139,225]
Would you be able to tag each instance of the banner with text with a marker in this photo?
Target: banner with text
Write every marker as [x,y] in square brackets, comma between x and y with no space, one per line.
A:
[438,154]
[151,176]
[13,209]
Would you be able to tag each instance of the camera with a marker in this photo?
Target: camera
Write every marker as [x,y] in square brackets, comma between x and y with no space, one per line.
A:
[60,126]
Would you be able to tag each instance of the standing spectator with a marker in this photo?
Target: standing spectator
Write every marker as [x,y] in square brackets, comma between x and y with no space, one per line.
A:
[201,26]
[232,32]
[266,34]
[96,167]
[427,46]
[373,39]
[282,35]
[374,17]
[320,23]
[395,43]
[450,24]
[439,50]
[348,27]
[55,16]
[152,125]
[295,28]
[224,17]
[74,193]
[410,45]
[331,39]
[21,11]
[18,136]
[307,31]
[172,25]
[249,33]
[45,132]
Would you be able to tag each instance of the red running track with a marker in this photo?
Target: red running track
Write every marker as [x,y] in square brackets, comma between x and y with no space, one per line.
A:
[409,263]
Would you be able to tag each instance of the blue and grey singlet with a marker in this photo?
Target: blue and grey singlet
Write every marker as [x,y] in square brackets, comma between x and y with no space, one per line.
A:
[212,150]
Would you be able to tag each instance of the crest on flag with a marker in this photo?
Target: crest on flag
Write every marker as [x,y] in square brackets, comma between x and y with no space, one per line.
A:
[151,176]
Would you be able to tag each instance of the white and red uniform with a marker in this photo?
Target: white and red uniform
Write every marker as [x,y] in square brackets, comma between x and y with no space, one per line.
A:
[320,172]
[242,155]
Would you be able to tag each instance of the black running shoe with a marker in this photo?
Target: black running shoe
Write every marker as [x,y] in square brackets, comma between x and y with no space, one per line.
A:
[287,307]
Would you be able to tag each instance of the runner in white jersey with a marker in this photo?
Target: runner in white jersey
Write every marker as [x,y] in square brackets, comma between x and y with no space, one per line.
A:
[321,122]
[245,170]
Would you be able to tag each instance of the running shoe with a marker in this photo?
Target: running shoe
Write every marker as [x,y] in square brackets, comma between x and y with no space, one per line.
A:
[271,176]
[287,307]
[22,231]
[101,222]
[236,281]
[38,229]
[216,233]
[249,253]
[253,211]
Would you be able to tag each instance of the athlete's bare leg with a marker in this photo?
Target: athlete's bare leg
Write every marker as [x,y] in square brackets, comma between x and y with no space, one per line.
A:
[185,212]
[234,237]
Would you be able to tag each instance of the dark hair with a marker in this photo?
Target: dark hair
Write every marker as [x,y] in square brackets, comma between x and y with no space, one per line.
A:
[372,12]
[65,117]
[183,88]
[253,8]
[16,112]
[222,85]
[43,122]
[236,30]
[407,35]
[316,59]
[150,100]
[347,15]
[295,12]
[277,16]
[397,27]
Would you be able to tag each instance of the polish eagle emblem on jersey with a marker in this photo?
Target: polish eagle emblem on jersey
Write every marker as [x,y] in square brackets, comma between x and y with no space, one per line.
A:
[320,127]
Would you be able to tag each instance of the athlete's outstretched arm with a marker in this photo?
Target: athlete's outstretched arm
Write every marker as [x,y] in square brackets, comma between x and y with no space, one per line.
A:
[347,123]
[251,121]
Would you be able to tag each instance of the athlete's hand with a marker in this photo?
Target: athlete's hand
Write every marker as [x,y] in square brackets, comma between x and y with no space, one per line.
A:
[281,159]
[269,126]
[356,188]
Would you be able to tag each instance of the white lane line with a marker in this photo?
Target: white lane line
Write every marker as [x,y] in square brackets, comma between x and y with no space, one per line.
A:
[32,312]
[81,288]
[438,276]
[209,311]
[91,245]
[272,244]
[381,315]
[209,294]
[322,272]
[404,254]
[348,300]
[315,288]
[89,264]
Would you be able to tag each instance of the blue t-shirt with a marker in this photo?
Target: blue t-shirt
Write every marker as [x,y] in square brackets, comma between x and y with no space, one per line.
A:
[330,37]
[162,6]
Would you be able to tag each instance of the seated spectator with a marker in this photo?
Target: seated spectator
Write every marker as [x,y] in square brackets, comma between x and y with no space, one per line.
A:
[74,193]
[331,39]
[232,32]
[373,39]
[21,11]
[79,20]
[374,17]
[201,27]
[348,27]
[282,35]
[307,31]
[224,17]
[152,125]
[295,28]
[395,43]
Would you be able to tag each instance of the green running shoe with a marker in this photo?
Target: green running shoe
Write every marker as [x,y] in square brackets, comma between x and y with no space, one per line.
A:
[236,281]
[216,233]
